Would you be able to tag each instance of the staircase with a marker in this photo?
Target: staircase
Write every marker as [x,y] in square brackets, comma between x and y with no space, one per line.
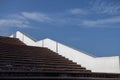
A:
[19,61]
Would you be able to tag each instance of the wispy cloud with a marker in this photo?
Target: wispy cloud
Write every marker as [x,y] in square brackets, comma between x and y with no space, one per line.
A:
[106,21]
[77,11]
[13,23]
[37,16]
[70,17]
[14,20]
[108,7]
[22,20]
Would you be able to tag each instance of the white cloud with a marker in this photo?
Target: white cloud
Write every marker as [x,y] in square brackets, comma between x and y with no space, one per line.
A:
[77,11]
[37,16]
[22,20]
[107,21]
[13,23]
[102,6]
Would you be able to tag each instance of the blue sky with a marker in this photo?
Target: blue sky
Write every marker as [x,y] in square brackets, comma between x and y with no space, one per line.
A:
[92,26]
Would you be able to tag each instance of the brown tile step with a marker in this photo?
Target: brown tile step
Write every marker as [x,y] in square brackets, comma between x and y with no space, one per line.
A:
[41,65]
[42,69]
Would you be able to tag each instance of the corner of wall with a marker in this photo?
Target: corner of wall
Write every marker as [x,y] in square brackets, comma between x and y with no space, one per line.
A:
[119,64]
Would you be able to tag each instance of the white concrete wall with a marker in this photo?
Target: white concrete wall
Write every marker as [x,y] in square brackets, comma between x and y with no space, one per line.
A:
[96,64]
[40,43]
[107,64]
[71,54]
[76,56]
[25,39]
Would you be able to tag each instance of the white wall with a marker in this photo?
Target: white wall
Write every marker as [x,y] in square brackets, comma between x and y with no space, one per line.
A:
[25,39]
[107,64]
[71,54]
[40,43]
[96,64]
